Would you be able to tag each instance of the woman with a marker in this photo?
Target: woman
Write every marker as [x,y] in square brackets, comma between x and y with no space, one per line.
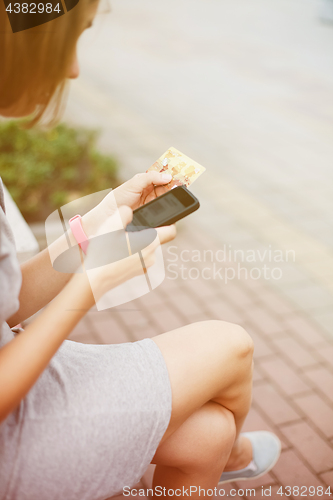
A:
[81,421]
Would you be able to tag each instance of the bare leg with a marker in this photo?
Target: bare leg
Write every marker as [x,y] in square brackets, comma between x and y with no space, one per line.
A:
[196,453]
[207,362]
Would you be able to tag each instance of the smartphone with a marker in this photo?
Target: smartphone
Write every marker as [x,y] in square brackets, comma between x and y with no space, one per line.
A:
[165,209]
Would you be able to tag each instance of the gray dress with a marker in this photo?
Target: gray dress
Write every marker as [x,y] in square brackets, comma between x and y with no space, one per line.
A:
[92,422]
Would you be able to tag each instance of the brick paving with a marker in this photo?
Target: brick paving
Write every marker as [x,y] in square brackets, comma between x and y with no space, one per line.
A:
[293,378]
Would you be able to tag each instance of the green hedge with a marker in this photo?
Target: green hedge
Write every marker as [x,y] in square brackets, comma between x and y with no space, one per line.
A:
[44,170]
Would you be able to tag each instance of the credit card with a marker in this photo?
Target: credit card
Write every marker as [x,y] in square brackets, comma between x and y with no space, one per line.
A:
[184,171]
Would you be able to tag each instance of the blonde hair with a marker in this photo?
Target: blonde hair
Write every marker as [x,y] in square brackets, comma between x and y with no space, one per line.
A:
[34,64]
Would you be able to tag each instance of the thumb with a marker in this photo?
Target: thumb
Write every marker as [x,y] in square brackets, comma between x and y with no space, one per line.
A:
[150,178]
[158,178]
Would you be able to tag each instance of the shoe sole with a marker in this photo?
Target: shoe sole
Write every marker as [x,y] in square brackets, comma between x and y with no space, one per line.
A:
[258,475]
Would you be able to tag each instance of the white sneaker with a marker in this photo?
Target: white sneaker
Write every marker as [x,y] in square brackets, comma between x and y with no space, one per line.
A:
[266,449]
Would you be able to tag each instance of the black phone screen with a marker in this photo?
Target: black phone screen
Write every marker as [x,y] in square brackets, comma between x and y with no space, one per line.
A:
[163,209]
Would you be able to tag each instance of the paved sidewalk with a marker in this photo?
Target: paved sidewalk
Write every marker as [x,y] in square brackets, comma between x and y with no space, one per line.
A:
[293,377]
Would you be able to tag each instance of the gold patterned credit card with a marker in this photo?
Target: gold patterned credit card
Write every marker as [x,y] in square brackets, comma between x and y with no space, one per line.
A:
[184,171]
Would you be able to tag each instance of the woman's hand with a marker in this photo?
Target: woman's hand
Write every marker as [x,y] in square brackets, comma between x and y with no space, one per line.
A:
[141,189]
[104,277]
[133,193]
[112,215]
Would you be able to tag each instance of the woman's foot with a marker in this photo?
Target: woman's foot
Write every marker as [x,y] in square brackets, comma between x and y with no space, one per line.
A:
[264,452]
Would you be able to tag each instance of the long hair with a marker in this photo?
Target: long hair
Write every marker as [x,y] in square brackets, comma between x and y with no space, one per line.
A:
[34,64]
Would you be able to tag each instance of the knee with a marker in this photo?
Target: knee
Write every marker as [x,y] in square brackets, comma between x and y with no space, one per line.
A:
[214,438]
[237,337]
[203,443]
[225,430]
[243,342]
[218,435]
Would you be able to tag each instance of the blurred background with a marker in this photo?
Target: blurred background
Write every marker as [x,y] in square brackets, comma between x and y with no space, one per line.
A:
[246,89]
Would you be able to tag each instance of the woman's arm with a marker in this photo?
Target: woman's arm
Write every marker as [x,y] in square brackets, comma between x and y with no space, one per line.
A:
[40,282]
[24,358]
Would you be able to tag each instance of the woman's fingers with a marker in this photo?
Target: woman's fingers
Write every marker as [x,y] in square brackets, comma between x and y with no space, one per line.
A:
[104,275]
[138,190]
[146,179]
[161,190]
[166,233]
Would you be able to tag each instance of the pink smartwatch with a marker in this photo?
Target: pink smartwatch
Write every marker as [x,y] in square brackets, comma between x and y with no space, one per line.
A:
[78,233]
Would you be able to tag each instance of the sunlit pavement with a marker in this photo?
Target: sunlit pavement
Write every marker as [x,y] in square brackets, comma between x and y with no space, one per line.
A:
[246,89]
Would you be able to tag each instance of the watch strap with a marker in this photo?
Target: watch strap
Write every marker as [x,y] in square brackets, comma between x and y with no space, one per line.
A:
[77,230]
